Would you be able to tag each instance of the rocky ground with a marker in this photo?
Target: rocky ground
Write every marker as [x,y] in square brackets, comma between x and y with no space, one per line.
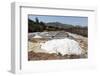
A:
[45,56]
[35,43]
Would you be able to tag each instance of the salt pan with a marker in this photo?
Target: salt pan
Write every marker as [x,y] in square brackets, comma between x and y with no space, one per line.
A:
[62,46]
[37,36]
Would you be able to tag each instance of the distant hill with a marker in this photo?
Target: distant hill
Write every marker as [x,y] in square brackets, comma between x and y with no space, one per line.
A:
[37,26]
[59,25]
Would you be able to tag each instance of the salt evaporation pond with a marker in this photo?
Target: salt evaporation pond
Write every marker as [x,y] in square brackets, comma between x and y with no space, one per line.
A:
[62,46]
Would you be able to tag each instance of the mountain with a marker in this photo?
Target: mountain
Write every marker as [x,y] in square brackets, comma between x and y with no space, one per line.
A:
[59,25]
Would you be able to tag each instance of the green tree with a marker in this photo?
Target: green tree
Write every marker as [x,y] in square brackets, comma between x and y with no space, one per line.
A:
[37,20]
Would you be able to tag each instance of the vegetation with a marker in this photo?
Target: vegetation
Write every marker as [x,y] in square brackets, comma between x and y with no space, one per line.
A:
[39,26]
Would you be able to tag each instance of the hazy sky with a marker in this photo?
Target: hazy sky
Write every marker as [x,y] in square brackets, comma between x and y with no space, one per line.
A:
[74,20]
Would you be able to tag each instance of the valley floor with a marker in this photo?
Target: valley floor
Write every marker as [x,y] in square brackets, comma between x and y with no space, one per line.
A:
[34,45]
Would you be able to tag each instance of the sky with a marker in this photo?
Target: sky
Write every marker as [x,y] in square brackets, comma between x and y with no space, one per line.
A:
[74,20]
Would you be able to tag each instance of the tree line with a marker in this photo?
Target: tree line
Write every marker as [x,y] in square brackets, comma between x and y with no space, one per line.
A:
[40,26]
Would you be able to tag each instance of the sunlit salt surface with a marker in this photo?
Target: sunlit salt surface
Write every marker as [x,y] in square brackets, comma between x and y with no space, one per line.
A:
[37,36]
[62,46]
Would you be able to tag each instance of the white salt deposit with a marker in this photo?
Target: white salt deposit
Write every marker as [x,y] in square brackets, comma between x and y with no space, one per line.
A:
[62,46]
[30,46]
[37,36]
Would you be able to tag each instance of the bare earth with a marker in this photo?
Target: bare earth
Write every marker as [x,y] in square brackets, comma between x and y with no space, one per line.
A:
[35,43]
